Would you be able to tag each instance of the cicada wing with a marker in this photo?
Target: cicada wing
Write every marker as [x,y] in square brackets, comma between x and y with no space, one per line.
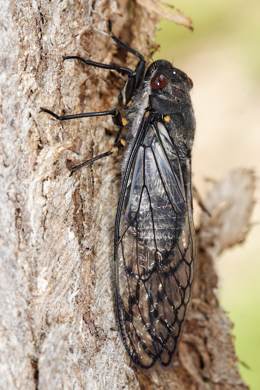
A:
[154,248]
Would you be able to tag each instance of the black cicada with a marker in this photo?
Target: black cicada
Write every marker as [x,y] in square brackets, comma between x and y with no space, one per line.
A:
[154,244]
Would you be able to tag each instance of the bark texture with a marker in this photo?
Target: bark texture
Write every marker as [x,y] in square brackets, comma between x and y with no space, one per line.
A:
[57,327]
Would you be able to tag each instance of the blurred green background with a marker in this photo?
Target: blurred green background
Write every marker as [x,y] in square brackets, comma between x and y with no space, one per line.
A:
[222,56]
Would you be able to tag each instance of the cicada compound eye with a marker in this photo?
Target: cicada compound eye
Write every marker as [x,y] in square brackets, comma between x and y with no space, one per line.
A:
[159,82]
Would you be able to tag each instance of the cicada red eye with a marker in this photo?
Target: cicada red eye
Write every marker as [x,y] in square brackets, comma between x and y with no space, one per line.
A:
[159,82]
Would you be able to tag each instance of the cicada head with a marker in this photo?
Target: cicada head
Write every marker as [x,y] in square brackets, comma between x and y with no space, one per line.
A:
[168,85]
[162,74]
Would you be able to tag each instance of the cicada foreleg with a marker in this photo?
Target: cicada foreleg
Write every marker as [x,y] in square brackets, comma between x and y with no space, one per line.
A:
[134,76]
[134,79]
[138,74]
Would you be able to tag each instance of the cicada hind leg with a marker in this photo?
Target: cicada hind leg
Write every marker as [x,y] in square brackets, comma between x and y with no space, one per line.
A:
[133,81]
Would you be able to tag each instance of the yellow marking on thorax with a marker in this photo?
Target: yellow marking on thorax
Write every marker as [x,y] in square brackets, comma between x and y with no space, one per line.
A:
[123,142]
[167,119]
[124,121]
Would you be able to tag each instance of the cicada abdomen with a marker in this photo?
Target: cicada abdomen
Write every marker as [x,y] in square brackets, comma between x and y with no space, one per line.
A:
[154,246]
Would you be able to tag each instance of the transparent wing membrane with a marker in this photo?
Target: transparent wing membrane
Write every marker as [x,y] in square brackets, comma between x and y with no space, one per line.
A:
[154,249]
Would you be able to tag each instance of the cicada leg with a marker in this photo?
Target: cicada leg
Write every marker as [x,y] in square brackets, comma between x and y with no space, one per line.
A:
[140,67]
[134,76]
[90,161]
[113,113]
[134,79]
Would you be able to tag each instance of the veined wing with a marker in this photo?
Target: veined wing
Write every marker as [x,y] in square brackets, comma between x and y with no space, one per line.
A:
[154,246]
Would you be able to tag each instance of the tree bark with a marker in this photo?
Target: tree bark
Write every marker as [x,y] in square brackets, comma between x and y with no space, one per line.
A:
[57,327]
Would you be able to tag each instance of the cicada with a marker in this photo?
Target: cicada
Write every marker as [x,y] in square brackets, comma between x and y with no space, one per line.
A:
[154,247]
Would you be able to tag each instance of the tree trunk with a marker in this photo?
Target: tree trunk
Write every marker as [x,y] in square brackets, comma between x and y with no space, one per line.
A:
[57,327]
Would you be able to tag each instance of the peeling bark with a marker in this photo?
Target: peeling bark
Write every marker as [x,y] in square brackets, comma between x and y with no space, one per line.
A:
[57,327]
